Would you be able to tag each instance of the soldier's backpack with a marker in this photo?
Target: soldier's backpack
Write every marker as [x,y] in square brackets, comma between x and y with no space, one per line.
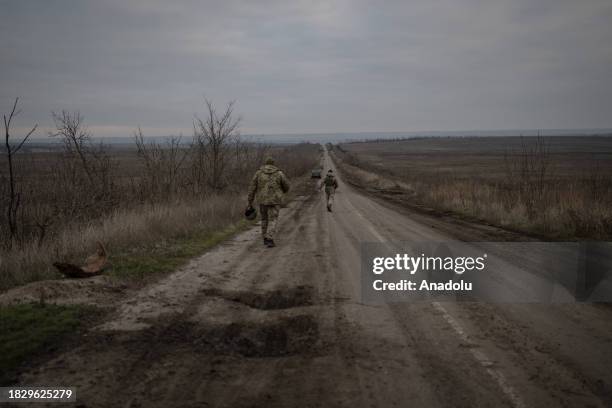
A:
[329,181]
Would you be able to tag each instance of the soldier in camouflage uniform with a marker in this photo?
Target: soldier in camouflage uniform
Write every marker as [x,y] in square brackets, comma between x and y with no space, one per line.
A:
[268,186]
[331,184]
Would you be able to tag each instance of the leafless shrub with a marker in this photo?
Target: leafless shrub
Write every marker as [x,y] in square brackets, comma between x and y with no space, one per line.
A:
[14,197]
[70,128]
[163,164]
[84,164]
[61,221]
[68,197]
[527,171]
[298,159]
[213,137]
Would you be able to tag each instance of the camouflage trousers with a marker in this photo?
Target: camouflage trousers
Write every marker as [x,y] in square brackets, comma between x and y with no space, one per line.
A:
[329,194]
[269,219]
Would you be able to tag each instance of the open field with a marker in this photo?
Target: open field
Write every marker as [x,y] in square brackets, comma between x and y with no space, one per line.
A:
[559,187]
[138,204]
[152,219]
[484,157]
[249,326]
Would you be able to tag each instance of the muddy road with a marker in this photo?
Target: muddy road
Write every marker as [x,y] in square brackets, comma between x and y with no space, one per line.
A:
[247,326]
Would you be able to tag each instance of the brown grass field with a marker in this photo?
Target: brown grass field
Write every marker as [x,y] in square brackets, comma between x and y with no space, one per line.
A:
[134,210]
[555,187]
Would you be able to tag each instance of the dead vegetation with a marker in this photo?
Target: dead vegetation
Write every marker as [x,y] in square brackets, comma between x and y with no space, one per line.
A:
[58,203]
[560,188]
[14,197]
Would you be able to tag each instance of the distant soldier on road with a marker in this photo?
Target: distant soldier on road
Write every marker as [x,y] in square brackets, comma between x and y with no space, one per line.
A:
[331,184]
[268,186]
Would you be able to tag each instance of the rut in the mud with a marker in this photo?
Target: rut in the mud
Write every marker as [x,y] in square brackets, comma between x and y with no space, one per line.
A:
[285,336]
[270,300]
[282,336]
[270,335]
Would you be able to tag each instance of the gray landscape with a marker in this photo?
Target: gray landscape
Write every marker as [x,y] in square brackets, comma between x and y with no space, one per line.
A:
[306,204]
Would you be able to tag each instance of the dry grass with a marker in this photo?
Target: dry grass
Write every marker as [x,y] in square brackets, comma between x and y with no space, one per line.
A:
[132,226]
[558,191]
[122,230]
[567,210]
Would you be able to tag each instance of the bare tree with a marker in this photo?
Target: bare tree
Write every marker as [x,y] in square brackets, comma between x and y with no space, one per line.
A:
[14,198]
[176,156]
[69,126]
[11,150]
[162,163]
[213,137]
[246,158]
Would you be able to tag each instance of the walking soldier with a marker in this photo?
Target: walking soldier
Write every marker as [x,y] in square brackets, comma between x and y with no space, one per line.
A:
[331,184]
[268,186]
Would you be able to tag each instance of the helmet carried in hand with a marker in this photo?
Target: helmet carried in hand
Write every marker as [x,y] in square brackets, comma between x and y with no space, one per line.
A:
[250,213]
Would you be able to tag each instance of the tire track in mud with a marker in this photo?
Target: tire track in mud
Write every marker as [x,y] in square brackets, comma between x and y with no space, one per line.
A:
[445,363]
[563,372]
[334,359]
[459,389]
[370,343]
[560,382]
[342,355]
[259,277]
[233,336]
[553,354]
[267,370]
[452,385]
[461,385]
[134,362]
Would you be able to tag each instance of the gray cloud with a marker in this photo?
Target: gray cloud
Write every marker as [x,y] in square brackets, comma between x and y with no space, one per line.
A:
[311,66]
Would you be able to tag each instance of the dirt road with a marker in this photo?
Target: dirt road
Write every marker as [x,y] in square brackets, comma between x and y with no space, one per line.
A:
[248,326]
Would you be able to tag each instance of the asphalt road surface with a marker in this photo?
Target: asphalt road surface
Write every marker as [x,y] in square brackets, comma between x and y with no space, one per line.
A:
[248,326]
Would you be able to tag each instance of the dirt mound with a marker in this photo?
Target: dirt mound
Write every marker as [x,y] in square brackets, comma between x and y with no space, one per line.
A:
[98,291]
[284,298]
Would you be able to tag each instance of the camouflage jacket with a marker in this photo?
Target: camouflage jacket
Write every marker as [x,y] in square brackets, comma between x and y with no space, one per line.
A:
[330,183]
[268,185]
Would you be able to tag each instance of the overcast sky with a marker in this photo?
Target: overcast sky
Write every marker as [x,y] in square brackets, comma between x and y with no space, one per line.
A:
[310,66]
